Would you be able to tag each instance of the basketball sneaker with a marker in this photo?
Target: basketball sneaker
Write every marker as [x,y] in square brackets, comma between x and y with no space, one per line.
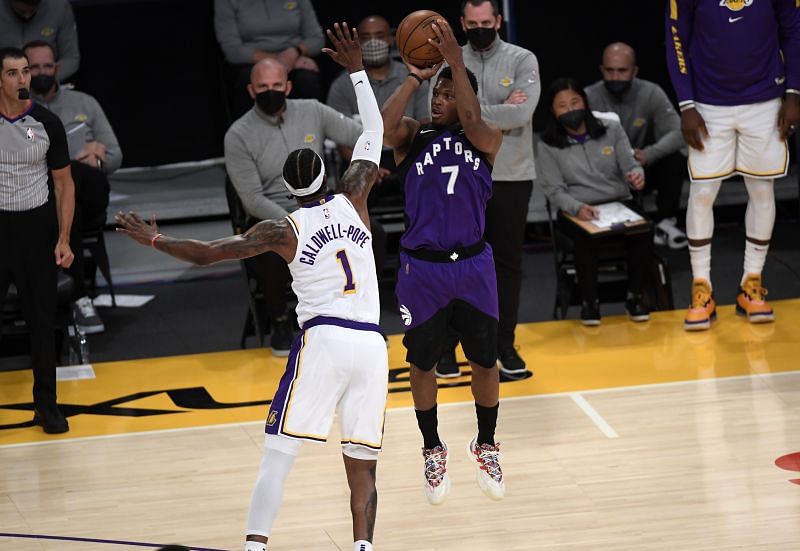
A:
[437,483]
[703,309]
[750,301]
[486,459]
[448,367]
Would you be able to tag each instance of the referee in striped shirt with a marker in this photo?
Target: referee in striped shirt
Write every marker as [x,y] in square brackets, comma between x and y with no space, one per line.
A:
[34,232]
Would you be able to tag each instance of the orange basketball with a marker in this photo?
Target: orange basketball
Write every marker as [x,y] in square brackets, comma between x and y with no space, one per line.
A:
[412,37]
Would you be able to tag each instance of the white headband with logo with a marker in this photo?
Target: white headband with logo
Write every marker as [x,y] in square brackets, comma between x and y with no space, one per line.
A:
[313,188]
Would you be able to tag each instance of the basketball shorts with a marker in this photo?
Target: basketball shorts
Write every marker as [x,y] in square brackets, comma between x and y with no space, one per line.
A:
[743,139]
[333,369]
[440,297]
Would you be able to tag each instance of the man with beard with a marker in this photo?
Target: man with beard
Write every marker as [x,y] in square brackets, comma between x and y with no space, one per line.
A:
[255,147]
[654,130]
[95,154]
[22,21]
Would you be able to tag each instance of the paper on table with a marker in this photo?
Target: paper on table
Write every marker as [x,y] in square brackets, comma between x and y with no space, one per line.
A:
[614,213]
[130,301]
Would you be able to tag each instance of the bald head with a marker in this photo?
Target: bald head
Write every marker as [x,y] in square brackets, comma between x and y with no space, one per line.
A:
[268,74]
[372,26]
[619,63]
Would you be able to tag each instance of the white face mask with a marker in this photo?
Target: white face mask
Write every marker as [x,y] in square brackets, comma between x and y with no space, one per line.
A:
[374,52]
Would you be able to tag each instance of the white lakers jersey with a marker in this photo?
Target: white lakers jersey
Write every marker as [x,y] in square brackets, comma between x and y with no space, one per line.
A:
[333,271]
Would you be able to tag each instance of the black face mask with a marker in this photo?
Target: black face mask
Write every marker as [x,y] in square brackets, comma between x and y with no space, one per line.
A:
[23,93]
[617,87]
[481,37]
[573,119]
[271,101]
[41,84]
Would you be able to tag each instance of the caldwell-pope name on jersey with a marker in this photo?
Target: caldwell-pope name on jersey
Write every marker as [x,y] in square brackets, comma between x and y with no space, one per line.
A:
[458,148]
[327,234]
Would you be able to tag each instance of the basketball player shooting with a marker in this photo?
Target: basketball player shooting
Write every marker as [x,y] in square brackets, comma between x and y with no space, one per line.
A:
[326,244]
[446,280]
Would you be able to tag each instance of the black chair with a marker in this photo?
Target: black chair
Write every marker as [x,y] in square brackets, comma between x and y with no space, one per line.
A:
[68,337]
[255,323]
[94,243]
[612,274]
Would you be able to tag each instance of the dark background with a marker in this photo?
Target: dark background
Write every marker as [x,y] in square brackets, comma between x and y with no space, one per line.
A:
[155,65]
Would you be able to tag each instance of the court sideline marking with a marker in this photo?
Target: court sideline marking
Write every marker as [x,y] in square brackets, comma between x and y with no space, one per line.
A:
[596,418]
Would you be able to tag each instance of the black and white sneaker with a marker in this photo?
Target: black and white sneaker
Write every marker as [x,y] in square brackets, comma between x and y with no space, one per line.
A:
[447,367]
[590,312]
[86,317]
[281,336]
[636,309]
[510,361]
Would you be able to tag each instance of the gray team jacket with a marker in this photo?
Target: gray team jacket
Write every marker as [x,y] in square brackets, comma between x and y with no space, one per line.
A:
[501,70]
[589,173]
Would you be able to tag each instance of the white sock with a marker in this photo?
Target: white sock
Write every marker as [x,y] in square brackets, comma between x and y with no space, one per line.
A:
[759,220]
[362,545]
[700,258]
[255,546]
[754,258]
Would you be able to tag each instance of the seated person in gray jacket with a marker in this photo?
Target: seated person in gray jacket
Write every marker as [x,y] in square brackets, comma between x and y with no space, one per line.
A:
[583,162]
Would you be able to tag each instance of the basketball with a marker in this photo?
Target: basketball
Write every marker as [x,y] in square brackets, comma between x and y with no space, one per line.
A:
[412,38]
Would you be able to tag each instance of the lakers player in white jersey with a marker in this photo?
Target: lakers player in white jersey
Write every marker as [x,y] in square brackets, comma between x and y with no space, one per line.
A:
[339,362]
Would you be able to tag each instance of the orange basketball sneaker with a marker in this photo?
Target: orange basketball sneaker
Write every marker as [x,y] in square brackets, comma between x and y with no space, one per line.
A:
[703,309]
[750,301]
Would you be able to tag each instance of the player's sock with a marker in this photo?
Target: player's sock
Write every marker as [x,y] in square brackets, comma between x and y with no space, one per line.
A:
[255,546]
[428,422]
[487,422]
[362,545]
[700,258]
[754,258]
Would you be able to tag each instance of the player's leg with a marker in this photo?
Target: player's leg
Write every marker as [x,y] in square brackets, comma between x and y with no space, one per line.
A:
[758,222]
[361,417]
[424,347]
[761,157]
[475,329]
[360,466]
[276,462]
[707,168]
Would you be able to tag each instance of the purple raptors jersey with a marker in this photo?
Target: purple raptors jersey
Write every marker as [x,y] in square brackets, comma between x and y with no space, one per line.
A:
[447,183]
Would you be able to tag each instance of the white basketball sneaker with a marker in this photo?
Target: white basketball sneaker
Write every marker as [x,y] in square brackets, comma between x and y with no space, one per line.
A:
[486,459]
[437,483]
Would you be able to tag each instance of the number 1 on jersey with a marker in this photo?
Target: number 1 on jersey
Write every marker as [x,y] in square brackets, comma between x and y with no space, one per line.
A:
[452,170]
[349,284]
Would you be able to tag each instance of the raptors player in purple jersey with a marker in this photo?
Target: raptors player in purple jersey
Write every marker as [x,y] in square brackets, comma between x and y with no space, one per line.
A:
[446,282]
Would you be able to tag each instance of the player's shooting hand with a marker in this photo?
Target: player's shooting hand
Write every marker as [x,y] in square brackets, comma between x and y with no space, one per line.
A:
[694,128]
[346,47]
[425,74]
[446,42]
[138,230]
[587,213]
[636,179]
[516,97]
[789,116]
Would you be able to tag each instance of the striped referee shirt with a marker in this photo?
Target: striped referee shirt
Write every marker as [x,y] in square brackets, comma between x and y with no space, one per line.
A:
[31,145]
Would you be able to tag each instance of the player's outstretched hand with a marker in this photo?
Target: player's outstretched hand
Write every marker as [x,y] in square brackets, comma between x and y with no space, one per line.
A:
[694,128]
[136,228]
[346,47]
[446,42]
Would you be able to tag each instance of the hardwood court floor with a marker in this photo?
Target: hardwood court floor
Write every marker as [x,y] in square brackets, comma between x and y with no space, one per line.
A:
[627,437]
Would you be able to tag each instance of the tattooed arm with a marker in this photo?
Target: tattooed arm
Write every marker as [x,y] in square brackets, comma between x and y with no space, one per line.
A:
[356,184]
[269,235]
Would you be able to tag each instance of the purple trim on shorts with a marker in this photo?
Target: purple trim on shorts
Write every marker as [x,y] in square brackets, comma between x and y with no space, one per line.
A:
[278,404]
[95,540]
[339,322]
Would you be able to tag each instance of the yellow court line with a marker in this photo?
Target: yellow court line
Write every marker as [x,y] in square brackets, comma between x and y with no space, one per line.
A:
[232,387]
